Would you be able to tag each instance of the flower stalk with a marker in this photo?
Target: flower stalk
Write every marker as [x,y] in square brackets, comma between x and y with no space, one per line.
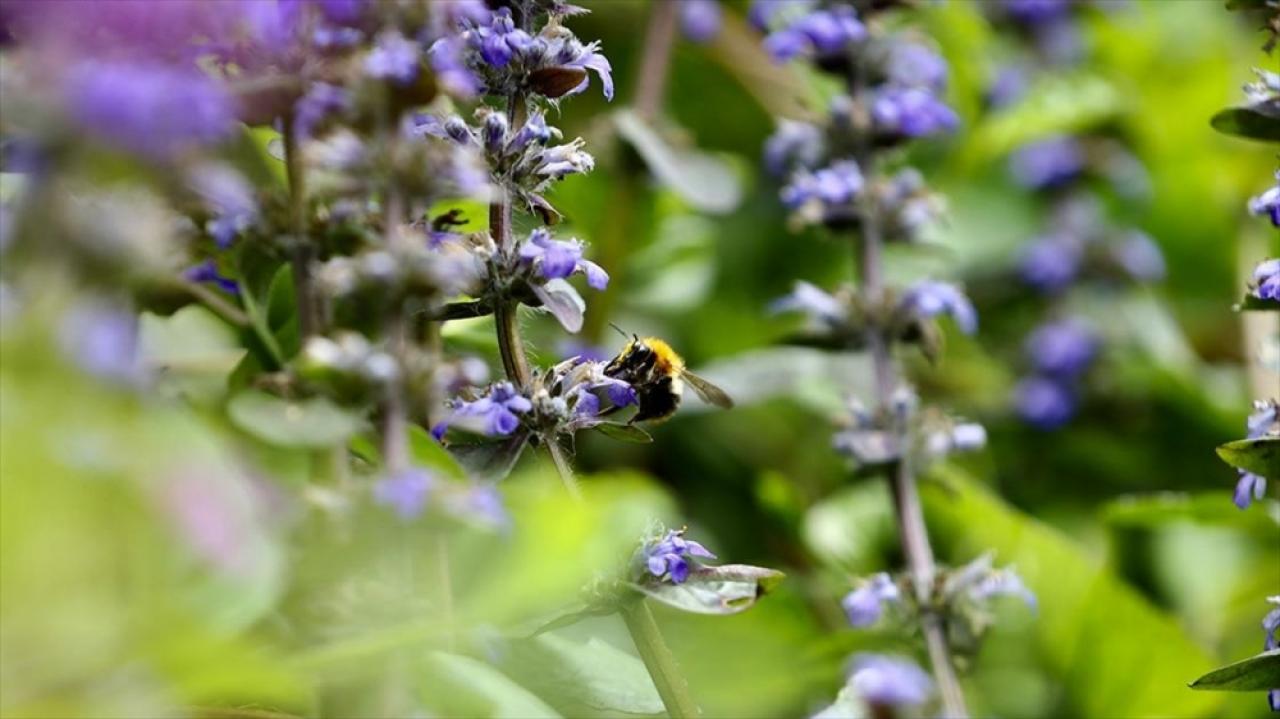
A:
[658,660]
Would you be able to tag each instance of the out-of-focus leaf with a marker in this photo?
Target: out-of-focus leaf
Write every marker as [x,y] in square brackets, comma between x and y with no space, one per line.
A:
[1090,621]
[818,379]
[457,685]
[563,302]
[1260,456]
[492,461]
[427,452]
[1055,104]
[848,705]
[624,432]
[312,422]
[1212,508]
[677,270]
[727,589]
[1247,122]
[851,528]
[704,181]
[1257,673]
[778,88]
[192,350]
[584,678]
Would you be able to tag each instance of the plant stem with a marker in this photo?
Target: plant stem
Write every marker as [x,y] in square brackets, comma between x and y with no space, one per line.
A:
[659,660]
[302,251]
[906,499]
[655,63]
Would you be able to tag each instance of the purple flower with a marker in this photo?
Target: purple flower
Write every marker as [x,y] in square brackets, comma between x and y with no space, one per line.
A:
[668,558]
[394,57]
[534,131]
[910,112]
[1271,625]
[560,161]
[1140,257]
[1009,84]
[230,196]
[406,491]
[597,63]
[1044,403]
[1050,263]
[558,259]
[1037,12]
[911,64]
[700,19]
[793,144]
[151,110]
[1047,164]
[835,185]
[1266,280]
[321,101]
[495,414]
[814,302]
[968,437]
[930,299]
[1064,348]
[864,605]
[889,681]
[821,33]
[103,341]
[1263,420]
[480,503]
[1003,583]
[1249,487]
[207,271]
[449,64]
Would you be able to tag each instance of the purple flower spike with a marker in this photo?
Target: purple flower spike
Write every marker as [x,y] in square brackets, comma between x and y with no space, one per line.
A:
[1050,263]
[406,492]
[890,681]
[1266,279]
[814,302]
[830,186]
[1047,164]
[930,299]
[864,605]
[1064,348]
[911,112]
[667,558]
[914,65]
[395,58]
[701,19]
[822,33]
[1267,204]
[1248,488]
[1004,583]
[496,414]
[1140,257]
[1044,403]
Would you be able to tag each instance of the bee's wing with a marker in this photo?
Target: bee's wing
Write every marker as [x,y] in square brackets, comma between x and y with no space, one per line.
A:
[709,393]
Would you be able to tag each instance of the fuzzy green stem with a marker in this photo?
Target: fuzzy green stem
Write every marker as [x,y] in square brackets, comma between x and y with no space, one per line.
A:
[659,660]
[302,252]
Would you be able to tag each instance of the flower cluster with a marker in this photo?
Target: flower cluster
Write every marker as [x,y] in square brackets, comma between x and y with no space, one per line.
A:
[1058,352]
[880,684]
[1270,628]
[874,439]
[670,557]
[1263,422]
[410,492]
[553,63]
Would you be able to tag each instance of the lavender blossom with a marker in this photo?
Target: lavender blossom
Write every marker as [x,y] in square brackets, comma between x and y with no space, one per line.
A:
[1266,280]
[231,198]
[910,112]
[1048,164]
[829,189]
[1064,348]
[406,492]
[207,272]
[822,33]
[1140,257]
[394,58]
[558,259]
[912,64]
[1044,403]
[103,341]
[550,64]
[495,414]
[668,558]
[890,681]
[1249,487]
[864,605]
[815,303]
[1003,582]
[793,145]
[1051,263]
[929,299]
[701,19]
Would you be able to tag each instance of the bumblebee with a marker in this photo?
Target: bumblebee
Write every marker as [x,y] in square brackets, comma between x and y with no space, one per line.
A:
[658,376]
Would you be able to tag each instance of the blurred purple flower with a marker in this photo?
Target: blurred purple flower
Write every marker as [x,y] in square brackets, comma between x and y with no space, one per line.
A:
[1266,280]
[1249,487]
[1036,12]
[320,102]
[1050,263]
[834,185]
[812,301]
[207,271]
[1009,84]
[449,64]
[701,19]
[910,112]
[864,605]
[968,437]
[1001,583]
[889,681]
[481,503]
[793,145]
[1264,420]
[495,414]
[1064,348]
[1271,625]
[210,521]
[1048,163]
[231,198]
[1140,257]
[668,558]
[1044,403]
[558,259]
[103,341]
[151,110]
[930,299]
[406,491]
[394,57]
[820,33]
[911,64]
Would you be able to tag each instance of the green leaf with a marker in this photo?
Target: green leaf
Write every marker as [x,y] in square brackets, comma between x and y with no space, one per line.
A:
[1257,673]
[193,351]
[491,461]
[1247,122]
[1260,456]
[458,685]
[727,589]
[624,432]
[703,180]
[1252,302]
[429,453]
[584,678]
[1090,621]
[312,423]
[1208,508]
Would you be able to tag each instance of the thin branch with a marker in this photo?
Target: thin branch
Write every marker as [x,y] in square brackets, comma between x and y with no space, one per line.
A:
[655,63]
[303,287]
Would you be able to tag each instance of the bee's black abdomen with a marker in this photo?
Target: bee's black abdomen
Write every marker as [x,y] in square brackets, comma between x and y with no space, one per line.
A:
[657,400]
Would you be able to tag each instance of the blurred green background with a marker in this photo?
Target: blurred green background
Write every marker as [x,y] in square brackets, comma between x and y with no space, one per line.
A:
[1121,522]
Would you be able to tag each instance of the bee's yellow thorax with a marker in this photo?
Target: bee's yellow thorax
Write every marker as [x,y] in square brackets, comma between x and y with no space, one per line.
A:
[665,358]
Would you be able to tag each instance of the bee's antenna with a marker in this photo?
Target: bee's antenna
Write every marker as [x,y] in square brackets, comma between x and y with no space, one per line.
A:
[619,329]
